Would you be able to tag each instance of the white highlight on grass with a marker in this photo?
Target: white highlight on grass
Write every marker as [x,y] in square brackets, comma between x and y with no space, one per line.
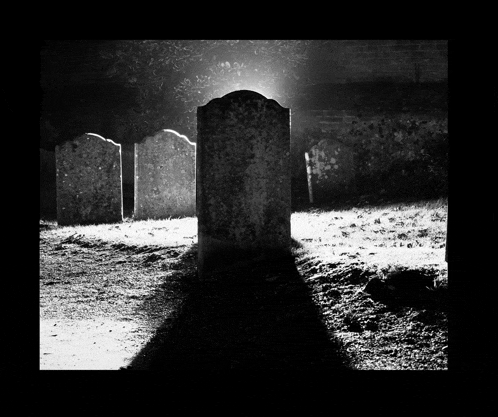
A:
[165,233]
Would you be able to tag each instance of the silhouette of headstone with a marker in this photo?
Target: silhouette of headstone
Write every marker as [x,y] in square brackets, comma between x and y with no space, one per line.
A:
[88,180]
[332,170]
[243,180]
[164,176]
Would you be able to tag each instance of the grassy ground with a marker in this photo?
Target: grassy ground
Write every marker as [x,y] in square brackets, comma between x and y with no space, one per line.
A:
[400,246]
[375,274]
[410,234]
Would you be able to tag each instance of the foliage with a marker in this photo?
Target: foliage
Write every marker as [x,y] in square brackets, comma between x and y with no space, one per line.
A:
[401,155]
[173,77]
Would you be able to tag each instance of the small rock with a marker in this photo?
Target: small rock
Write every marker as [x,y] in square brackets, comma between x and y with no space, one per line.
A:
[375,287]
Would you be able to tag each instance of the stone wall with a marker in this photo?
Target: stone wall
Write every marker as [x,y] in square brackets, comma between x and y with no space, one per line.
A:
[350,115]
[413,60]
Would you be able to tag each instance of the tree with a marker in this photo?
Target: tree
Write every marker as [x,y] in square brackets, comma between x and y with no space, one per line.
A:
[174,77]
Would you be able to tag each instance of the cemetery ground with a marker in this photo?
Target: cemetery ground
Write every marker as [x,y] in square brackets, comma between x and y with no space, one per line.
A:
[366,289]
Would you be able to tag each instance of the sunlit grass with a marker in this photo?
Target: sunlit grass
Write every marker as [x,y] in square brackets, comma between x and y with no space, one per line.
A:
[407,234]
[167,232]
[410,234]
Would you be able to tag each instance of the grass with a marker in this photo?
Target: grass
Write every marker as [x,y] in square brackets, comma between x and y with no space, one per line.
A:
[383,229]
[388,235]
[336,252]
[408,234]
[165,233]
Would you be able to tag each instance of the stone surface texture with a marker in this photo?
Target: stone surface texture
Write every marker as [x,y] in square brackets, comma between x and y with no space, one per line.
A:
[332,170]
[164,176]
[243,179]
[88,180]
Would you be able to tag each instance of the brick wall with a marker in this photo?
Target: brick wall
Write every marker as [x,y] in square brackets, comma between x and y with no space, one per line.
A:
[341,61]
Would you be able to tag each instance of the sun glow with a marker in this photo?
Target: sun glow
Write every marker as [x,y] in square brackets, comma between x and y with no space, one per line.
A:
[266,91]
[264,82]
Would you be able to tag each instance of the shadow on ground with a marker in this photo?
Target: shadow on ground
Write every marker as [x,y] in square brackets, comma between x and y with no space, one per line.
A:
[258,316]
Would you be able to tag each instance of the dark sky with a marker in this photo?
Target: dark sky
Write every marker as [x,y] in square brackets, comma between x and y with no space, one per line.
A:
[75,94]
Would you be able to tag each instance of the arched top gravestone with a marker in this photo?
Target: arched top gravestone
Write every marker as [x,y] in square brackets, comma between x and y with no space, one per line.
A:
[164,176]
[243,179]
[88,181]
[332,170]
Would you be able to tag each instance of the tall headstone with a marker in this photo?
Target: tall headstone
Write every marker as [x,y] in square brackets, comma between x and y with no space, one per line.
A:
[88,177]
[243,179]
[164,176]
[331,167]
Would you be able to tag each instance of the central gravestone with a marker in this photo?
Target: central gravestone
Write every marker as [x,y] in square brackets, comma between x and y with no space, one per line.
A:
[243,180]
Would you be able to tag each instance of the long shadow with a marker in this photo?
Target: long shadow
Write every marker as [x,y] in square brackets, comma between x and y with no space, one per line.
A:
[259,316]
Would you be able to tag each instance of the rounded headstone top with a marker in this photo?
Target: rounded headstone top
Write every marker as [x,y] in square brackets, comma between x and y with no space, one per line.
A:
[166,133]
[85,137]
[247,96]
[244,94]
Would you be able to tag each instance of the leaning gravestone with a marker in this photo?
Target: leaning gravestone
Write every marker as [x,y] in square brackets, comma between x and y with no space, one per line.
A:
[164,176]
[331,169]
[88,177]
[243,180]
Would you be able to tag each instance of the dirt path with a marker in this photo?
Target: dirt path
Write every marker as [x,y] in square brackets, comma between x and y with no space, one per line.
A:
[88,344]
[99,303]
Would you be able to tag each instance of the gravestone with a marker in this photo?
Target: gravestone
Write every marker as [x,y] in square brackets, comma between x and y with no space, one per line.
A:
[331,167]
[243,180]
[164,176]
[88,177]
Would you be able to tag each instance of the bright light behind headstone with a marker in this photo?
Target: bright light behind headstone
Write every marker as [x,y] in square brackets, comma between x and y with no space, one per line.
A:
[250,75]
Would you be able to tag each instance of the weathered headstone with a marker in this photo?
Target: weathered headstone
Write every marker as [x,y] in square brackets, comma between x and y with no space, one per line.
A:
[243,180]
[89,188]
[164,176]
[332,170]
